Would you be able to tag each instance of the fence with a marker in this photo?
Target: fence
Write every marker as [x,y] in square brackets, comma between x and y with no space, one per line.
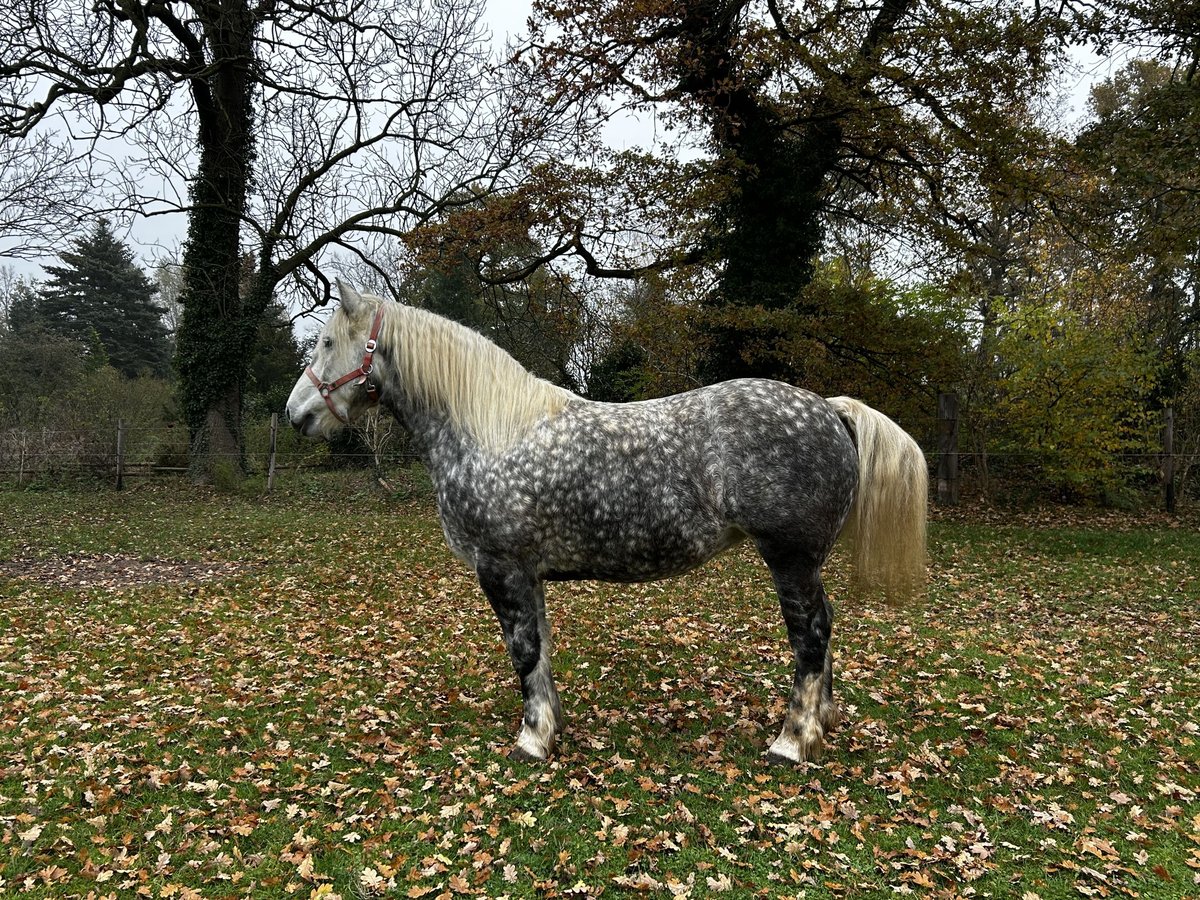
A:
[1143,473]
[130,452]
[138,452]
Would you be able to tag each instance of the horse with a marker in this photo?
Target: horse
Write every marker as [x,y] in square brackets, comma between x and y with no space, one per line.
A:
[535,483]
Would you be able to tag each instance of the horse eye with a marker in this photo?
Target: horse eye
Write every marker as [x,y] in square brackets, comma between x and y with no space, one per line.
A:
[328,343]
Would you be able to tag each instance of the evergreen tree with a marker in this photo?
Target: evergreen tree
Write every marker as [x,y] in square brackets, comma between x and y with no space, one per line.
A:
[22,309]
[100,297]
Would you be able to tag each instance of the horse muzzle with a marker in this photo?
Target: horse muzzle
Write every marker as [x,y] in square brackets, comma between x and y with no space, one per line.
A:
[305,423]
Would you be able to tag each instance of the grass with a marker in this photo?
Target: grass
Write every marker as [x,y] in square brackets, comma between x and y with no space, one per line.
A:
[305,696]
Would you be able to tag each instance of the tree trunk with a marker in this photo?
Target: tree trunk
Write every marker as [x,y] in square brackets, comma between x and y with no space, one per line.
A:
[216,452]
[771,229]
[217,329]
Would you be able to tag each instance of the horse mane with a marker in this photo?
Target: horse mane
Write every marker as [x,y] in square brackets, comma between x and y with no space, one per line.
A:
[448,368]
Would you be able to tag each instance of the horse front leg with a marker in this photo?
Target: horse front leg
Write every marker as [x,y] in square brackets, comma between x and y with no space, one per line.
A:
[519,602]
[808,615]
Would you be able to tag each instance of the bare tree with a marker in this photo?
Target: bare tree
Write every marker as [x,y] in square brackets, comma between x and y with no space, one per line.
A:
[299,129]
[43,195]
[9,279]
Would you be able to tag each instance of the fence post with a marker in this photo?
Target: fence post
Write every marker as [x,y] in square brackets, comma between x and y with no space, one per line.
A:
[947,466]
[1169,457]
[120,454]
[21,464]
[271,459]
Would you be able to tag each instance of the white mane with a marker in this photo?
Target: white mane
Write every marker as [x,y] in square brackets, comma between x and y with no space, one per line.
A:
[450,369]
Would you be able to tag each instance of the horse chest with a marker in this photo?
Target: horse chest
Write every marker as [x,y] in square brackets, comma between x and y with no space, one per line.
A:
[484,508]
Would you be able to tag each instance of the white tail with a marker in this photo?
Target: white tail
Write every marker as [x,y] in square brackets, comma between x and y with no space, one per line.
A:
[886,529]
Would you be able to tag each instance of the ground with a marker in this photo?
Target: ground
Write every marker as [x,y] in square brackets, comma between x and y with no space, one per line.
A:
[306,695]
[80,571]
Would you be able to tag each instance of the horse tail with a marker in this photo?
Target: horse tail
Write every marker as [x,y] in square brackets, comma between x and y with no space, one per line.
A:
[886,527]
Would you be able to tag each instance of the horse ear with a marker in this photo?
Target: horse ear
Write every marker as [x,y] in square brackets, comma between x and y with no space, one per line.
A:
[351,299]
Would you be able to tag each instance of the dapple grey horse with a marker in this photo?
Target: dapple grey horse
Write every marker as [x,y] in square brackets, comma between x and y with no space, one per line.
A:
[535,483]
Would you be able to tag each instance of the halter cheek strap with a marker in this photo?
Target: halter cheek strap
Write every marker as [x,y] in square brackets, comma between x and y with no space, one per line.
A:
[361,375]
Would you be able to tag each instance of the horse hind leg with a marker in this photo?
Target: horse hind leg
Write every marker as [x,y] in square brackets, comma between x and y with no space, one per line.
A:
[830,712]
[808,615]
[520,605]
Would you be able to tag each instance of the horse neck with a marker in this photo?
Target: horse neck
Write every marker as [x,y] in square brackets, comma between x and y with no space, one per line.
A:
[436,441]
[446,379]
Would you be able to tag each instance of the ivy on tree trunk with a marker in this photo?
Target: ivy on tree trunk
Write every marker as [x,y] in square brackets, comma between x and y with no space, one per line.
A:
[218,327]
[770,230]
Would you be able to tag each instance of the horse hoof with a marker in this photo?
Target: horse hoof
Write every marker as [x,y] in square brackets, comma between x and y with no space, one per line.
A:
[519,754]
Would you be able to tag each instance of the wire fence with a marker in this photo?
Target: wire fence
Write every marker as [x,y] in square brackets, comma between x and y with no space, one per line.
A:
[40,455]
[129,453]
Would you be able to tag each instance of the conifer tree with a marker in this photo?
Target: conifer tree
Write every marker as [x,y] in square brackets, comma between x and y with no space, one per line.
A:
[100,297]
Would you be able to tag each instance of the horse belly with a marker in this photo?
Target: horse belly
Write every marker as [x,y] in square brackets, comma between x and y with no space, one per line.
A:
[636,531]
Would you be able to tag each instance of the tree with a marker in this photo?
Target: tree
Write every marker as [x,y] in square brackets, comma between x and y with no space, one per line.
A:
[21,313]
[1073,396]
[168,278]
[14,288]
[617,376]
[654,345]
[1141,200]
[810,112]
[59,404]
[1136,203]
[540,319]
[100,296]
[1166,29]
[40,369]
[275,364]
[301,128]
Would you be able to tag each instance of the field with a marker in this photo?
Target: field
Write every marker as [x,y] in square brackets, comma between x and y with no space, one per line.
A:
[205,695]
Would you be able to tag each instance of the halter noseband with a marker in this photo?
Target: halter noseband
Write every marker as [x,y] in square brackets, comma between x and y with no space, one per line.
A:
[361,375]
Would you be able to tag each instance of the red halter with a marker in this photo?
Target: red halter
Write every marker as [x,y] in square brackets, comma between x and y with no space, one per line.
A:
[361,375]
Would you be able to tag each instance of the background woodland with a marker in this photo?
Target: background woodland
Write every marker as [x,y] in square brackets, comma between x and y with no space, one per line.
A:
[890,200]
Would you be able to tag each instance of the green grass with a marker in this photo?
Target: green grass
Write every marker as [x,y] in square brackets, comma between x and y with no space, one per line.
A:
[328,715]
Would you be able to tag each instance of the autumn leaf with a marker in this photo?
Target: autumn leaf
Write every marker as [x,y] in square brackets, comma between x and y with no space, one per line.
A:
[306,869]
[719,884]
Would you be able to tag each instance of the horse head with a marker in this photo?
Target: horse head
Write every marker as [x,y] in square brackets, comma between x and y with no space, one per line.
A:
[338,386]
